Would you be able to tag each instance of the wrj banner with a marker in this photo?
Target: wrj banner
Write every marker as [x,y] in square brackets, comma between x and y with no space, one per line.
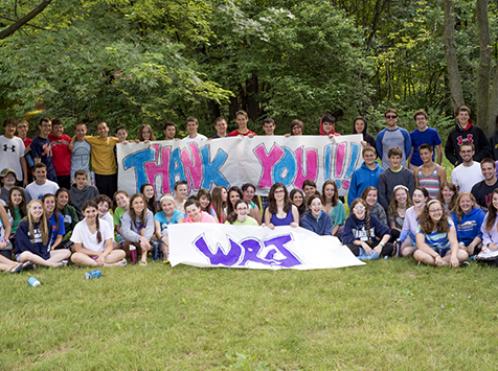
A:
[221,245]
[261,161]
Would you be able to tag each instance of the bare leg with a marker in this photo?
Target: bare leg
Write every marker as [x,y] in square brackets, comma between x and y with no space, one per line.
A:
[83,260]
[7,265]
[27,256]
[407,249]
[145,250]
[424,258]
[57,256]
[165,247]
[115,258]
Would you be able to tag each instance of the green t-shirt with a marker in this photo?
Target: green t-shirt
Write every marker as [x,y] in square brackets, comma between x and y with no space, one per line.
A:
[249,221]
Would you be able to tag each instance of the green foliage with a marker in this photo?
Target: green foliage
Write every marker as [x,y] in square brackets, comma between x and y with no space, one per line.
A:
[138,61]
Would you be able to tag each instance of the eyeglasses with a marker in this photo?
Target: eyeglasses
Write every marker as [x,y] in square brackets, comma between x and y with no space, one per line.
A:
[359,208]
[436,210]
[391,116]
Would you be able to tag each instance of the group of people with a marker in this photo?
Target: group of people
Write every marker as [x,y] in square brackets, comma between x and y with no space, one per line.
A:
[60,203]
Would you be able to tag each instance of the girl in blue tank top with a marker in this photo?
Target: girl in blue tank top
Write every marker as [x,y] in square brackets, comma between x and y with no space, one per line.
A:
[280,210]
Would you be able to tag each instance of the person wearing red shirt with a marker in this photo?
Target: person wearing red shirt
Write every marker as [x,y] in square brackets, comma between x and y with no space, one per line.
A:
[327,125]
[61,155]
[241,118]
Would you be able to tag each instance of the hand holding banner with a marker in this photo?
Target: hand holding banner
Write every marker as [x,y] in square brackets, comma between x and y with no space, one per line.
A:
[261,161]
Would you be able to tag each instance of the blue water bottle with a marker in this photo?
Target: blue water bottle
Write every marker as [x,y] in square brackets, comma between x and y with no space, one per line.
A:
[33,282]
[92,275]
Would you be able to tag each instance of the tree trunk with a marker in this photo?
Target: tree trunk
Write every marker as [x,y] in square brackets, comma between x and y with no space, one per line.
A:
[484,74]
[493,105]
[454,79]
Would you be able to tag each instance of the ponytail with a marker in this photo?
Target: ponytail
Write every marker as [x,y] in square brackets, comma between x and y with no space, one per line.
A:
[99,234]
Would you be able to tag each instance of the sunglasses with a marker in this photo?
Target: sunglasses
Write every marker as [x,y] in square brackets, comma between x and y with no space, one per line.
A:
[391,116]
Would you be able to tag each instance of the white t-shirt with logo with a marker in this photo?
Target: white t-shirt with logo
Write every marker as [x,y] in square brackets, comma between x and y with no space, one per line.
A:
[37,191]
[11,152]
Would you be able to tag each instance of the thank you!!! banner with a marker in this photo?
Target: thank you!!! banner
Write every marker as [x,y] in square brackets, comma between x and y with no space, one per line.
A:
[228,246]
[261,161]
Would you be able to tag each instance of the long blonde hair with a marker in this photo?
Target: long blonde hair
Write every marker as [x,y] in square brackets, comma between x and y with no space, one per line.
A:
[43,221]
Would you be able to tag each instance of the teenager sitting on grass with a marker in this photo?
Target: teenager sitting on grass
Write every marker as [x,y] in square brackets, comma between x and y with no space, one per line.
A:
[365,235]
[9,266]
[280,210]
[397,210]
[5,230]
[33,240]
[168,215]
[410,225]
[370,196]
[333,206]
[195,214]
[468,218]
[436,238]
[93,241]
[219,203]
[315,219]
[447,195]
[104,207]
[16,208]
[489,227]
[248,192]
[55,222]
[240,215]
[150,196]
[297,198]
[204,198]
[69,214]
[137,226]
[234,194]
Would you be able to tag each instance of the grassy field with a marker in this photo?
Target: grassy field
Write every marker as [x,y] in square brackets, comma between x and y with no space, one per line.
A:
[386,315]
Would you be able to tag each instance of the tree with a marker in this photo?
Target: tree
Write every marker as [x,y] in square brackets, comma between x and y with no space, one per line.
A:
[18,23]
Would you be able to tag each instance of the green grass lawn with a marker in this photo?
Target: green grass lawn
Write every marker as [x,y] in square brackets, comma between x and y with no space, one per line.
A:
[386,315]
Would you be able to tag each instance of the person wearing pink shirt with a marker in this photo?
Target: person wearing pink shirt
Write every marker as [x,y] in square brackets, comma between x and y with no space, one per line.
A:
[195,214]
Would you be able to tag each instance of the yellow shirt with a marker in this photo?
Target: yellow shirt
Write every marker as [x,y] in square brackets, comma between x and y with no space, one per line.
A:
[103,156]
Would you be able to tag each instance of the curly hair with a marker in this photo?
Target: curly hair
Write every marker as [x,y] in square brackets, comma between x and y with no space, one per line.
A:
[427,224]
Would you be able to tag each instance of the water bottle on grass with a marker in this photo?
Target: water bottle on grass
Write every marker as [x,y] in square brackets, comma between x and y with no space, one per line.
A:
[133,254]
[92,275]
[33,282]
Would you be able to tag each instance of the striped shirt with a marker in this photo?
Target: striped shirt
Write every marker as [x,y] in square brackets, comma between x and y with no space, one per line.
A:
[430,182]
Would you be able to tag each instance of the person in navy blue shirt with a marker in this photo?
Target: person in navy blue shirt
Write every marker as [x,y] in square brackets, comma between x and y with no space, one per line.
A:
[315,219]
[41,150]
[424,134]
[33,240]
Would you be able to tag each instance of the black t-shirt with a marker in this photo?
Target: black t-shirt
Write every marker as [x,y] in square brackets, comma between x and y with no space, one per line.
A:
[484,193]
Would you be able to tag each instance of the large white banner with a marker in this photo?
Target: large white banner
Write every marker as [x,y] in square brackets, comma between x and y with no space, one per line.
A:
[221,245]
[261,161]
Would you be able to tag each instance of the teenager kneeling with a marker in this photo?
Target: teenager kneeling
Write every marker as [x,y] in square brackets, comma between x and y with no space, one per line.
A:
[436,238]
[365,235]
[93,241]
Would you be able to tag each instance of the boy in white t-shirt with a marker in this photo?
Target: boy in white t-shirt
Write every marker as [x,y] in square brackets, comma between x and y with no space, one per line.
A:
[468,173]
[41,186]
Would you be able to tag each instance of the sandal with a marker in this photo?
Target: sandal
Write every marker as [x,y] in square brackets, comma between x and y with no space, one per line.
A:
[17,269]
